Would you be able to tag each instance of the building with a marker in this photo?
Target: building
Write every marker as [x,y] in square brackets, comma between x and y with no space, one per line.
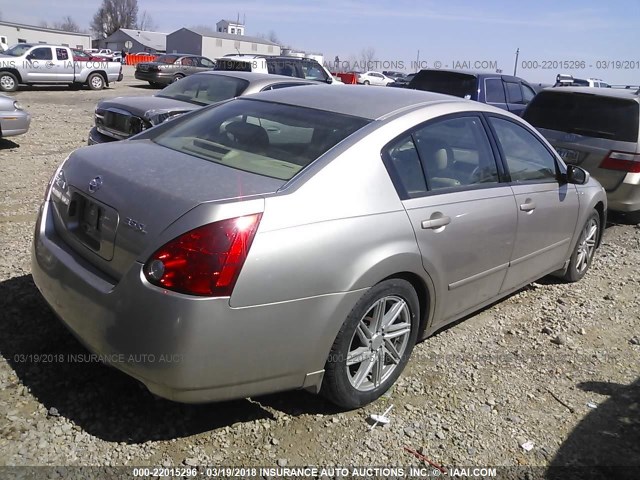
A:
[19,33]
[212,44]
[228,26]
[141,41]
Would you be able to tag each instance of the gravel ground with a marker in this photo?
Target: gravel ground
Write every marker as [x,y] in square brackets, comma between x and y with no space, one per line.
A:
[555,365]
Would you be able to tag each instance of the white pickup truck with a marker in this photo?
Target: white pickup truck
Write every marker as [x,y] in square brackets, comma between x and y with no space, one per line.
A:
[33,64]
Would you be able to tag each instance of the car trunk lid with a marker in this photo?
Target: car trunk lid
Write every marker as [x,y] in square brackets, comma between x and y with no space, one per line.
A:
[115,199]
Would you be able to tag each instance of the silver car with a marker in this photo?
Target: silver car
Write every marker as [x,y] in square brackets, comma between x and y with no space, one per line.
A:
[14,120]
[121,117]
[304,237]
[598,129]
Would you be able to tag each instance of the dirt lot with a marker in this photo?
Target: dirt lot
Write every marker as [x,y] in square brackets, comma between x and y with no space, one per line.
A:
[555,365]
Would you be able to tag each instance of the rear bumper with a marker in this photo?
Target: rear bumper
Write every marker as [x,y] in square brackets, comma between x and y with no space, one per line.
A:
[14,123]
[154,77]
[183,348]
[626,197]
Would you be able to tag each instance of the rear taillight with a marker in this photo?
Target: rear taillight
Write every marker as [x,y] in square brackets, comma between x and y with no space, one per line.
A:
[205,261]
[626,162]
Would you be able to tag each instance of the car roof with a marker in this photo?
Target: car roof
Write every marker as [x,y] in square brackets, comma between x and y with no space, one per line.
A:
[628,93]
[257,77]
[371,103]
[477,74]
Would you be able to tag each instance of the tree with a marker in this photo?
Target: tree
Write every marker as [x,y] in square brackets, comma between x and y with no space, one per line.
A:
[271,36]
[367,58]
[67,24]
[145,22]
[114,15]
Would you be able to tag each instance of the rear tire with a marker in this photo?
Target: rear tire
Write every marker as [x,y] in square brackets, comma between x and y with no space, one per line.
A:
[8,82]
[366,82]
[584,250]
[373,346]
[95,81]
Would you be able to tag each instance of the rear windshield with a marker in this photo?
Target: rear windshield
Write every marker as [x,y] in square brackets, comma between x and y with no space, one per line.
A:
[205,89]
[450,83]
[169,59]
[233,65]
[269,139]
[585,114]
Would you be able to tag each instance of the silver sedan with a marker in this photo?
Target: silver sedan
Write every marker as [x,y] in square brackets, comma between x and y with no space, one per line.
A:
[304,238]
[14,120]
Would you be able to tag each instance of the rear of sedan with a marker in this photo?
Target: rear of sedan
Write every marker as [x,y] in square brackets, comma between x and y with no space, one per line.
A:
[161,71]
[171,256]
[14,120]
[599,130]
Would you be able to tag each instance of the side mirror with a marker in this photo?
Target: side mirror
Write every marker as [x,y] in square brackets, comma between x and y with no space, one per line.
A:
[577,175]
[31,56]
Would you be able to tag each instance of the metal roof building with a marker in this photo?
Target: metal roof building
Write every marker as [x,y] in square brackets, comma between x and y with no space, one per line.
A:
[20,33]
[141,41]
[213,44]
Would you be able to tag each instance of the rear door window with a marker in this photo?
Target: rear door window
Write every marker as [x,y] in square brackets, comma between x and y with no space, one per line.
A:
[527,93]
[62,54]
[514,93]
[494,91]
[403,164]
[592,115]
[450,83]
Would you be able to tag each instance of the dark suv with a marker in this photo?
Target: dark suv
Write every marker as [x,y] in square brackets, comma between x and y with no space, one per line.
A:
[504,91]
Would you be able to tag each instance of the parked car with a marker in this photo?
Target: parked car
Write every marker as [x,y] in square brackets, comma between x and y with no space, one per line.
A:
[394,75]
[566,80]
[402,82]
[82,56]
[598,129]
[14,120]
[119,118]
[35,64]
[167,69]
[502,91]
[304,237]
[373,78]
[300,67]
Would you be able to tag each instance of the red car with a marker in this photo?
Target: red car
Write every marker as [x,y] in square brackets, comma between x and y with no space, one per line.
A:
[81,56]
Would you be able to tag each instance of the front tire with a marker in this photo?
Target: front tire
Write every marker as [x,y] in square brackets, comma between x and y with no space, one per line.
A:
[584,250]
[8,82]
[366,82]
[177,78]
[373,346]
[95,81]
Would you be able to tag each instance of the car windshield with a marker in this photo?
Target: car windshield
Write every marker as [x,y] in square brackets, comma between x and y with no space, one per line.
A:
[450,83]
[80,53]
[17,50]
[585,114]
[269,139]
[205,89]
[168,59]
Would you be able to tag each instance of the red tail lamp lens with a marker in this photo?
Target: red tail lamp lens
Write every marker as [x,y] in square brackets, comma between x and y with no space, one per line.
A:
[205,261]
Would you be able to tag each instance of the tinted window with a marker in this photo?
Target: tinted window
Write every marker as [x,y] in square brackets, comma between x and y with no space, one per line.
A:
[494,90]
[205,89]
[526,157]
[403,163]
[41,54]
[268,139]
[527,93]
[456,152]
[451,83]
[168,59]
[514,94]
[585,114]
[313,71]
[62,54]
[282,66]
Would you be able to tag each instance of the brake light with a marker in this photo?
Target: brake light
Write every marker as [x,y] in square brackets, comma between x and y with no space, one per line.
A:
[205,261]
[626,162]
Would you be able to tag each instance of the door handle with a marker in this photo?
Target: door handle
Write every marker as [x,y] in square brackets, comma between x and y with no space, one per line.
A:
[436,222]
[528,206]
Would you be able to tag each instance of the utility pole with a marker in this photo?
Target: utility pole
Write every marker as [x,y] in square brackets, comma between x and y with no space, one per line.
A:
[515,67]
[418,61]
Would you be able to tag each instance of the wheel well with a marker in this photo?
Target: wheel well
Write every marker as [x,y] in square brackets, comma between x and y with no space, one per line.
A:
[423,296]
[603,219]
[102,74]
[14,71]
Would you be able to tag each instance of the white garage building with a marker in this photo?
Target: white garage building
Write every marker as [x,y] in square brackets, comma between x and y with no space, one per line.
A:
[19,33]
[217,44]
